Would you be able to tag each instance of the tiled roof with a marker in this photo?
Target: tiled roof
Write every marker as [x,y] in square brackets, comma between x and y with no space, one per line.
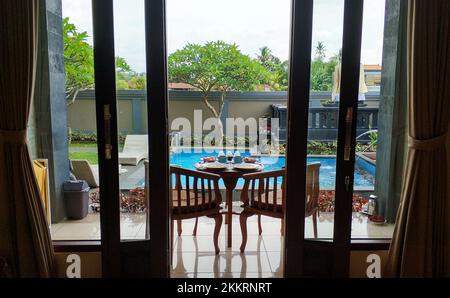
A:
[183,86]
[372,67]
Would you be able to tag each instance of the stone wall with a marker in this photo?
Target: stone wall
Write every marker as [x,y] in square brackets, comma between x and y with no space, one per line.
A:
[132,108]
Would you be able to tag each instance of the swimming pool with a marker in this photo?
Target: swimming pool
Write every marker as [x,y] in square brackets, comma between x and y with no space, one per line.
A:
[364,170]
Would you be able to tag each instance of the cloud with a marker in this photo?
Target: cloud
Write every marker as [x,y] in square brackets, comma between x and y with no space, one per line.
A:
[249,23]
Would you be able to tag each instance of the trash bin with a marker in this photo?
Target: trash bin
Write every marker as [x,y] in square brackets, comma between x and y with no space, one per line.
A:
[76,196]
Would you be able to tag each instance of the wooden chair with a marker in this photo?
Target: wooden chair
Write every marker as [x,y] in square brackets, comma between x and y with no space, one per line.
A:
[261,196]
[198,196]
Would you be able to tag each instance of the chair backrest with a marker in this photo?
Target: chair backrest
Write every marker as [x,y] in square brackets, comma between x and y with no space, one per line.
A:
[266,190]
[194,191]
[83,171]
[263,191]
[312,187]
[136,143]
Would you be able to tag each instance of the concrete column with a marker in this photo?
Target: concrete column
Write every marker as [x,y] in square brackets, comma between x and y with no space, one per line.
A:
[392,124]
[49,118]
[137,115]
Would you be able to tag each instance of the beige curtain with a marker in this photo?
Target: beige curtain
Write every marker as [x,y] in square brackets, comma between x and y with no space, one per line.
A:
[25,241]
[420,245]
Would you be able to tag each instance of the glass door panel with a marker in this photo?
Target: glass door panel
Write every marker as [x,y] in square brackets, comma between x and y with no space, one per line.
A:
[328,17]
[75,221]
[131,83]
[228,77]
[376,146]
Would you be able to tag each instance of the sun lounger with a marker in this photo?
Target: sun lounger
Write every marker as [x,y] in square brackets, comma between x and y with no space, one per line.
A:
[83,171]
[134,150]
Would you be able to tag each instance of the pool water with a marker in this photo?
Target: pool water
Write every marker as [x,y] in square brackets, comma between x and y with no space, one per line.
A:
[364,171]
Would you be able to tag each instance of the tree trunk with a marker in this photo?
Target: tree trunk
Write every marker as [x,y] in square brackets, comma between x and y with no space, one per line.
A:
[215,113]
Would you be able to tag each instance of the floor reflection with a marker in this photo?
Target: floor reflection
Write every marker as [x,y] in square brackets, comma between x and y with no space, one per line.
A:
[194,257]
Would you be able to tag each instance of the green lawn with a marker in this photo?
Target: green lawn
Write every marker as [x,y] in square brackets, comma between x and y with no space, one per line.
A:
[89,145]
[92,157]
[83,145]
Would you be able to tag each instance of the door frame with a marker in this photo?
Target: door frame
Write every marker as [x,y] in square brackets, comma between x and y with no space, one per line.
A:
[107,132]
[345,159]
[157,115]
[137,258]
[297,134]
[313,257]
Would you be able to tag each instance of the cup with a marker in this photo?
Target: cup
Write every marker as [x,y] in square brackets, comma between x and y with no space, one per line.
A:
[221,157]
[237,157]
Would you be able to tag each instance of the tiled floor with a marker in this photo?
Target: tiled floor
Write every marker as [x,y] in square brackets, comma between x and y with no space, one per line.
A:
[195,257]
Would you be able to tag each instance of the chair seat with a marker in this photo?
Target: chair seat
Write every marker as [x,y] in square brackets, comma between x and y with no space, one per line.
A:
[278,208]
[192,208]
[270,205]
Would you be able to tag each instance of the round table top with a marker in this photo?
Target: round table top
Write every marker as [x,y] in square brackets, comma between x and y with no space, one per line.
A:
[228,171]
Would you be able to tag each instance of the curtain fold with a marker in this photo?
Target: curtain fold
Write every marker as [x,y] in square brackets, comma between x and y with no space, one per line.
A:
[420,244]
[25,241]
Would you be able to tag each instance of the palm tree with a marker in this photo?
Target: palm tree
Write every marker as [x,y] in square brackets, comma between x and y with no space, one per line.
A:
[320,51]
[267,59]
[265,55]
[337,57]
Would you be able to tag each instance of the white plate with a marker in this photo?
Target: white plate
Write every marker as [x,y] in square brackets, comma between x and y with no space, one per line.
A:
[247,166]
[214,166]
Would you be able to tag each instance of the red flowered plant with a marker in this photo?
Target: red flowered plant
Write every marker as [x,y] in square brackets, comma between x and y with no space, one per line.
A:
[327,197]
[132,202]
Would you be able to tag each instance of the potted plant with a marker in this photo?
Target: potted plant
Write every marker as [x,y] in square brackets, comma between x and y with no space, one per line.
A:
[334,103]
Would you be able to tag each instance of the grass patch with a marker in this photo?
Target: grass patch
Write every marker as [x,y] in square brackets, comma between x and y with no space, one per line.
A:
[89,145]
[83,145]
[92,157]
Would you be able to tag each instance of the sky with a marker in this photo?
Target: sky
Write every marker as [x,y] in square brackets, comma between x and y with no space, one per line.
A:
[251,24]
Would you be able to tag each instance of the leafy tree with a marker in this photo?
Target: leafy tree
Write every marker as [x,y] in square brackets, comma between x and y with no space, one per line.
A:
[215,66]
[122,65]
[321,70]
[277,70]
[267,59]
[79,63]
[279,78]
[78,60]
[122,85]
[137,82]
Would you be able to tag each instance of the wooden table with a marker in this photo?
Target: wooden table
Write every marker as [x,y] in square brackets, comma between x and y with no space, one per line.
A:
[230,177]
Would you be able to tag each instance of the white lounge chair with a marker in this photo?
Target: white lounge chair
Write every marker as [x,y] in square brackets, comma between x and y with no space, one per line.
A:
[83,170]
[135,149]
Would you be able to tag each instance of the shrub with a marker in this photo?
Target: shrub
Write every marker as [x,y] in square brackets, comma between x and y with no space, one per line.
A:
[89,137]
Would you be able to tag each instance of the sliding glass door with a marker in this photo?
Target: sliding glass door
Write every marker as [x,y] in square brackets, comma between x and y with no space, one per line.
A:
[323,94]
[323,102]
[133,151]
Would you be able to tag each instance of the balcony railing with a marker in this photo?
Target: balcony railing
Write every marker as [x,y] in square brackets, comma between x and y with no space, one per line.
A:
[323,121]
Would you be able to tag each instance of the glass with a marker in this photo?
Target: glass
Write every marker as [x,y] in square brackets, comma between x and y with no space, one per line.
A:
[78,218]
[323,123]
[131,79]
[233,114]
[368,220]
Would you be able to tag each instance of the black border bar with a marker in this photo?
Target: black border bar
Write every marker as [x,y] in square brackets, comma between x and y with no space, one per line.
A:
[351,59]
[105,94]
[157,105]
[298,104]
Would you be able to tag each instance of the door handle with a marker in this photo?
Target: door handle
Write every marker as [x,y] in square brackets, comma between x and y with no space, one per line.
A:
[347,183]
[348,134]
[107,126]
